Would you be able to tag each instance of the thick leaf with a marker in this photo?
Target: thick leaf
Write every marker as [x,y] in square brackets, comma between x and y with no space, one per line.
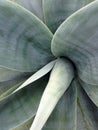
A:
[24,39]
[34,6]
[25,125]
[21,106]
[64,115]
[61,77]
[56,11]
[87,112]
[77,39]
[91,90]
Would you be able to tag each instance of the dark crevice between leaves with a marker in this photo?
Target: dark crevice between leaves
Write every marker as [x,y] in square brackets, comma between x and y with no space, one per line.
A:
[89,106]
[83,115]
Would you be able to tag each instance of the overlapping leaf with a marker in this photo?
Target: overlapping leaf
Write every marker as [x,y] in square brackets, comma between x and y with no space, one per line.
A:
[34,6]
[92,91]
[7,74]
[61,77]
[22,105]
[77,39]
[56,11]
[24,39]
[25,47]
[40,73]
[14,81]
[10,80]
[87,112]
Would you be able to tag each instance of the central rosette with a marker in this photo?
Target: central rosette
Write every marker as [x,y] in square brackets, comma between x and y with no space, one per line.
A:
[73,41]
[78,41]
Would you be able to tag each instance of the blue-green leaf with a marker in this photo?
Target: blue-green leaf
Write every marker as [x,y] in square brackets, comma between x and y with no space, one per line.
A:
[77,39]
[7,74]
[25,41]
[34,6]
[56,11]
[60,79]
[91,90]
[8,86]
[87,116]
[22,105]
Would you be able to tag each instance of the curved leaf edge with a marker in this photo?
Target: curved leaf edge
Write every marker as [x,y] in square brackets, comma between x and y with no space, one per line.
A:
[67,20]
[39,74]
[21,7]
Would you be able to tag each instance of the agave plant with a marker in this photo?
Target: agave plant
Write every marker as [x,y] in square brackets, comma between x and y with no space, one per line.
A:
[48,65]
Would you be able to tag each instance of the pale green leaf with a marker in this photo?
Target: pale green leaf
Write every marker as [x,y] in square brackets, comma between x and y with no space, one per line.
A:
[19,82]
[61,77]
[64,115]
[24,39]
[56,11]
[43,71]
[22,105]
[34,6]
[77,39]
[87,116]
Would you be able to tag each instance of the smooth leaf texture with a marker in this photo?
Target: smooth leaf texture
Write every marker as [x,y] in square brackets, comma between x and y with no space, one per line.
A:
[87,112]
[22,105]
[77,39]
[19,82]
[34,6]
[61,77]
[64,115]
[24,39]
[91,90]
[56,11]
[40,73]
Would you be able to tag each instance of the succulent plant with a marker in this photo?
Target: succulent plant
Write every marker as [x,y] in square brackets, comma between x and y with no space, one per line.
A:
[48,64]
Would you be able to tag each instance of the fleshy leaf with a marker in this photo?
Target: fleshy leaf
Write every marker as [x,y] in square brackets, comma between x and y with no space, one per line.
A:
[64,115]
[24,39]
[87,112]
[34,6]
[61,77]
[56,11]
[22,105]
[19,82]
[77,39]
